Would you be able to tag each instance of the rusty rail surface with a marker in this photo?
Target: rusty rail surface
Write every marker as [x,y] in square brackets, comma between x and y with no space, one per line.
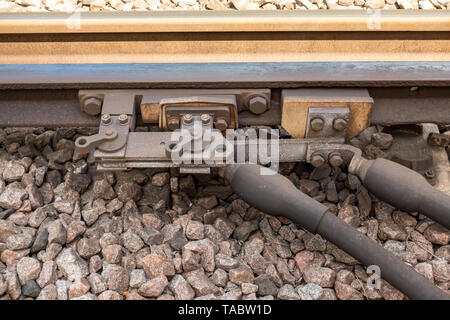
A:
[192,37]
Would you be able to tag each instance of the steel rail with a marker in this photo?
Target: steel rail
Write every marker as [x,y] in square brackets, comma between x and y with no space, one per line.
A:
[225,75]
[193,37]
[226,21]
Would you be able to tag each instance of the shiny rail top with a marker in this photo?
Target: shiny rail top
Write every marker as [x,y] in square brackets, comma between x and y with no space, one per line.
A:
[226,21]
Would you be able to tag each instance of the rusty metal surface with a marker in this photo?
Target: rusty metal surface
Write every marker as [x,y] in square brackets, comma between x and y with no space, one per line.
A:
[216,47]
[297,102]
[403,106]
[223,21]
[225,75]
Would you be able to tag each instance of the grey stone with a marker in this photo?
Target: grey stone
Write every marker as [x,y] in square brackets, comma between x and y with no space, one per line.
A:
[129,191]
[190,260]
[20,241]
[160,179]
[48,274]
[97,283]
[266,286]
[219,278]
[200,283]
[309,187]
[118,279]
[137,278]
[207,203]
[57,233]
[102,189]
[71,264]
[310,291]
[13,171]
[242,232]
[88,247]
[50,292]
[195,230]
[321,276]
[154,287]
[151,236]
[62,287]
[112,253]
[225,262]
[287,292]
[90,215]
[28,269]
[382,140]
[31,289]
[12,197]
[181,288]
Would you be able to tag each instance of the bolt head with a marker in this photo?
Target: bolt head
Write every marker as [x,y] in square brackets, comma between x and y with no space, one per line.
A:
[317,124]
[221,124]
[335,159]
[339,124]
[257,105]
[92,106]
[173,123]
[106,118]
[123,118]
[317,160]
[187,118]
[205,118]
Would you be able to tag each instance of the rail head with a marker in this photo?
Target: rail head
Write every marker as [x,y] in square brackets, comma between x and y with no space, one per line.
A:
[225,21]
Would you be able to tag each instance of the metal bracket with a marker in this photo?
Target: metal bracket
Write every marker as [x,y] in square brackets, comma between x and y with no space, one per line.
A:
[117,119]
[221,108]
[327,122]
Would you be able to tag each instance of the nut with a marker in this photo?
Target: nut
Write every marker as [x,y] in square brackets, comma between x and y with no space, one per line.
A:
[317,160]
[335,159]
[205,118]
[221,124]
[339,124]
[317,124]
[123,118]
[92,106]
[257,105]
[173,123]
[187,118]
[106,118]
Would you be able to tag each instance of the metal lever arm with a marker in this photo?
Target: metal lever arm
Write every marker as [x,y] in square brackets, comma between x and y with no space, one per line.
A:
[276,195]
[403,188]
[87,143]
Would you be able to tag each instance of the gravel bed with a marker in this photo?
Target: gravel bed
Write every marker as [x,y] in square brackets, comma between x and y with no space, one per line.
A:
[69,232]
[155,5]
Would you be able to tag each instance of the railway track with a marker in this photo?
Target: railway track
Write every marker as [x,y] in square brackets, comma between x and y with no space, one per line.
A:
[337,93]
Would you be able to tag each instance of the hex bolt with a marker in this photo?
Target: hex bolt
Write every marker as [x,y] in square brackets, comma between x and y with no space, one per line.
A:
[317,160]
[106,118]
[339,124]
[221,124]
[429,174]
[92,106]
[173,123]
[257,105]
[187,118]
[317,124]
[123,118]
[335,159]
[205,118]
